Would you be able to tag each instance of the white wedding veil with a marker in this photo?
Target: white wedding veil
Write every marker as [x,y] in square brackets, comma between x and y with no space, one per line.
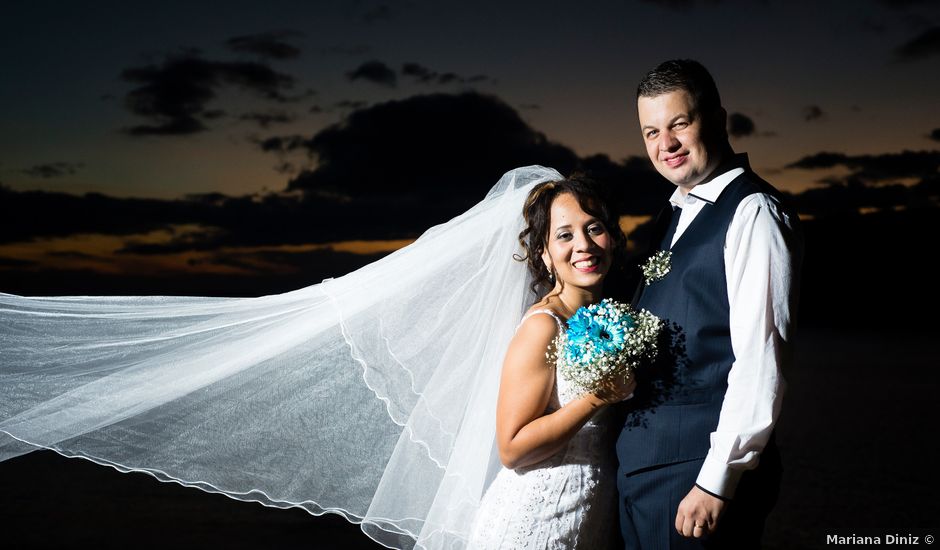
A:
[371,395]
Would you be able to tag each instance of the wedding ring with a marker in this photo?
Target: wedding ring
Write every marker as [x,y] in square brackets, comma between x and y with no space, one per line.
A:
[697,526]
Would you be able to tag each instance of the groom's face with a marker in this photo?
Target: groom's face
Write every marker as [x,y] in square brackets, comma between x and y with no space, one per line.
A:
[675,137]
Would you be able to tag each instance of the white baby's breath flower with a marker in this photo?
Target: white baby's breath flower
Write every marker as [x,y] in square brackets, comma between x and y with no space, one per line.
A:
[657,266]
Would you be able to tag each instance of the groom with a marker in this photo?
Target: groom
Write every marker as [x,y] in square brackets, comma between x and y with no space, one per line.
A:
[698,463]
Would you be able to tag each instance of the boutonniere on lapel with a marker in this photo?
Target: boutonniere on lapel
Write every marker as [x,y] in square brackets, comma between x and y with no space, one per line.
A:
[657,266]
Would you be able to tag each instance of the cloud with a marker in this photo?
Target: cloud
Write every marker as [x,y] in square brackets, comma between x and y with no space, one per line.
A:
[908,180]
[394,169]
[285,168]
[282,144]
[851,195]
[15,263]
[935,134]
[388,171]
[887,167]
[418,72]
[374,71]
[54,169]
[740,125]
[819,160]
[382,167]
[351,104]
[279,261]
[530,106]
[407,146]
[174,95]
[924,45]
[213,114]
[269,118]
[26,215]
[271,45]
[638,189]
[813,112]
[424,75]
[73,254]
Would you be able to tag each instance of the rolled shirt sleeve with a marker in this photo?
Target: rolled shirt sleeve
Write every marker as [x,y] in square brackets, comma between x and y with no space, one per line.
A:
[763,252]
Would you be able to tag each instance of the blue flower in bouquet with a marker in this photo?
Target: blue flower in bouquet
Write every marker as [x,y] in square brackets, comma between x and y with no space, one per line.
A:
[611,337]
[596,328]
[605,340]
[582,327]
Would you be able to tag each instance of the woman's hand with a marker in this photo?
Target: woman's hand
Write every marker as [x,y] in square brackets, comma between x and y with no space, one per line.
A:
[525,434]
[616,390]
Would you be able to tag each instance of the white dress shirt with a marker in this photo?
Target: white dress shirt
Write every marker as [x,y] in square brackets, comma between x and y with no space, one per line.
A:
[762,254]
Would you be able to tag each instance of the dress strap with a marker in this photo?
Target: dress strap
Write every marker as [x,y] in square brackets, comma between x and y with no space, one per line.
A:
[561,325]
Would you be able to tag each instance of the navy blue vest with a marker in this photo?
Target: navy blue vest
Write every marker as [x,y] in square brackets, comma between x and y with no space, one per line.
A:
[678,400]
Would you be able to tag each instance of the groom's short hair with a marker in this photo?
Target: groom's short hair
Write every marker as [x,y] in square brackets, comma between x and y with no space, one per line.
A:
[682,74]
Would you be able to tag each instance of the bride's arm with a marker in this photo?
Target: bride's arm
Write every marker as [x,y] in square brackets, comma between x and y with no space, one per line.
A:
[524,434]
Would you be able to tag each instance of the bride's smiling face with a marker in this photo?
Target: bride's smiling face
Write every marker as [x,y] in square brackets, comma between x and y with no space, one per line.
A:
[578,249]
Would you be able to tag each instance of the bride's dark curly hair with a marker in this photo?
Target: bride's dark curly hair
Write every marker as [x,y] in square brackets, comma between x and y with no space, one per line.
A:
[593,199]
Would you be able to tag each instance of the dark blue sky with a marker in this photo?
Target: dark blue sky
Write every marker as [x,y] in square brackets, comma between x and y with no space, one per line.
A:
[810,76]
[307,138]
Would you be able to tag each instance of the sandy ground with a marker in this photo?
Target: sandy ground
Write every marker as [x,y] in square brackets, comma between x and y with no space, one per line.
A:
[857,437]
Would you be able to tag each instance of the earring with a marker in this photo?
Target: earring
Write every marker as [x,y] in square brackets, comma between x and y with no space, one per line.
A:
[551,276]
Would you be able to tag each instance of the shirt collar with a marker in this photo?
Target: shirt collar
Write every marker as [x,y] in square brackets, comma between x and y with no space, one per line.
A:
[710,191]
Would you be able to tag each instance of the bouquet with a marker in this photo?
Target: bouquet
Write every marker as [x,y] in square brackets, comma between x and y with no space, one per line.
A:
[605,340]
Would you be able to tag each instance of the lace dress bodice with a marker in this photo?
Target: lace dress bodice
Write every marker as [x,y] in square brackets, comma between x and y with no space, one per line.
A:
[564,502]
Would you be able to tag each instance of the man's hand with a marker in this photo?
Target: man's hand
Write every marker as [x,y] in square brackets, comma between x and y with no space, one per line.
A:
[698,513]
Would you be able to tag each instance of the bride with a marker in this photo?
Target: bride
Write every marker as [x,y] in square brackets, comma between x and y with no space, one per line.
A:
[555,491]
[372,395]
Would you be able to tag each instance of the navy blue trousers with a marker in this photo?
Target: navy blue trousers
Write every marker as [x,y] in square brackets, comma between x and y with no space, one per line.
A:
[649,500]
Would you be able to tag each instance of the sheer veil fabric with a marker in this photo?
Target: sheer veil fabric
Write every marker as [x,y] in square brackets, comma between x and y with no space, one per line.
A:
[370,395]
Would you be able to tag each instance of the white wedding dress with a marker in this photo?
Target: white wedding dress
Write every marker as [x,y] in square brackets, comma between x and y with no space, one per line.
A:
[371,395]
[564,502]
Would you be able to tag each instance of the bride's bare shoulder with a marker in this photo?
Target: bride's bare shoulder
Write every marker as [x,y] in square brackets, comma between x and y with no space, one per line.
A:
[540,322]
[545,304]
